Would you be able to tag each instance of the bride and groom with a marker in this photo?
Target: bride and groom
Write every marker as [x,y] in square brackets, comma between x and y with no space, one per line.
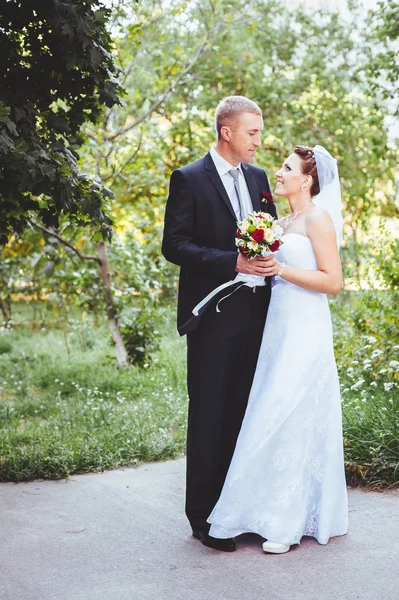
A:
[264,440]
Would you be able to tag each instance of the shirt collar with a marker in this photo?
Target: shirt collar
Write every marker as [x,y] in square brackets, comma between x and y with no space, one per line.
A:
[221,164]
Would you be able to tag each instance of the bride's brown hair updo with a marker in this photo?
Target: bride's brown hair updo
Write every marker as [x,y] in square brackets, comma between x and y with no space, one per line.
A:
[308,166]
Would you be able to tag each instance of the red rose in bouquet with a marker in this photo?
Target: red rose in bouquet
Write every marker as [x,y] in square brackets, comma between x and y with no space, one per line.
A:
[258,235]
[275,246]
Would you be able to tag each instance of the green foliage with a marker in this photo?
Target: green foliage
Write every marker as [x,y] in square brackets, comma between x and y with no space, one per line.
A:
[33,269]
[369,374]
[383,66]
[367,352]
[5,346]
[56,74]
[299,66]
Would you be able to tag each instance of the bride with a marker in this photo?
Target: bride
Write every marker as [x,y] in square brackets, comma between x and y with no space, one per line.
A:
[286,478]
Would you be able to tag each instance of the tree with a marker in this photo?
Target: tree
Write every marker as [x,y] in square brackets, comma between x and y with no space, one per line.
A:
[56,73]
[383,66]
[301,67]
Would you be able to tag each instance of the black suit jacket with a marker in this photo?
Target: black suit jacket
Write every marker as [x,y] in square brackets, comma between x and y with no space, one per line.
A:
[199,233]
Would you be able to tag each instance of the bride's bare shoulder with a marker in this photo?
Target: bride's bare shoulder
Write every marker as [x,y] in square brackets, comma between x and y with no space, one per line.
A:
[319,220]
[318,215]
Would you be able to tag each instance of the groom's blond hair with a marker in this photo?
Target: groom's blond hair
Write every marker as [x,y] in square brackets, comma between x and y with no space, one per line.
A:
[229,108]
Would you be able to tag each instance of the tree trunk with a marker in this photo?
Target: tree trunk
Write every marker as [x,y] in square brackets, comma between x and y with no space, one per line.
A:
[5,306]
[113,321]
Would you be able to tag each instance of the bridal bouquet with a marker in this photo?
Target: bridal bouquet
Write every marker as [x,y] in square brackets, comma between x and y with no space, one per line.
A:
[258,234]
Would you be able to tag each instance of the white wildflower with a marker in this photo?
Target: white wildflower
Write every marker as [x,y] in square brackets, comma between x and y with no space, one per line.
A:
[357,385]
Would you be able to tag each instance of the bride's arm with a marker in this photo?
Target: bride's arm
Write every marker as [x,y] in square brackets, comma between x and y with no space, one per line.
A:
[328,277]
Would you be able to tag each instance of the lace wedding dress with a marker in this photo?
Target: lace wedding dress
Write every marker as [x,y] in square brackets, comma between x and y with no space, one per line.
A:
[286,478]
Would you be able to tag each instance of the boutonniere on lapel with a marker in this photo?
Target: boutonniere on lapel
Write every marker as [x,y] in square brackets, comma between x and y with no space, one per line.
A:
[267,198]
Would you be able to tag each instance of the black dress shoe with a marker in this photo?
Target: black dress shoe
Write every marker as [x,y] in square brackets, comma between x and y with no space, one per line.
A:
[227,545]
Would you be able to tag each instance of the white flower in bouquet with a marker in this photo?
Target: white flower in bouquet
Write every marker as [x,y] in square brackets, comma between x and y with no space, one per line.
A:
[252,245]
[269,236]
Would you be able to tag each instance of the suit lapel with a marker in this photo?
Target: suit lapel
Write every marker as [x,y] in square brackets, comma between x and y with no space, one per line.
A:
[252,187]
[217,182]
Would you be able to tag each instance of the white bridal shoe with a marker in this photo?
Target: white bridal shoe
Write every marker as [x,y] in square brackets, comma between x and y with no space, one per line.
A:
[275,547]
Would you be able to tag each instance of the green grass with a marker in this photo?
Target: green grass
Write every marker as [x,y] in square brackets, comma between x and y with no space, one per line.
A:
[371,434]
[367,351]
[63,413]
[369,377]
[65,407]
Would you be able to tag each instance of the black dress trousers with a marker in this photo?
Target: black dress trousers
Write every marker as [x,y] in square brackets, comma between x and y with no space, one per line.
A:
[222,356]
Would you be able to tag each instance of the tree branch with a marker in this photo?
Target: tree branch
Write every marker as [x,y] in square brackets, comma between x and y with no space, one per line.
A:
[169,89]
[117,173]
[65,242]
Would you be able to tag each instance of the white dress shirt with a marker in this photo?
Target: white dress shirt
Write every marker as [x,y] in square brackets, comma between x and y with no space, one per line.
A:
[223,167]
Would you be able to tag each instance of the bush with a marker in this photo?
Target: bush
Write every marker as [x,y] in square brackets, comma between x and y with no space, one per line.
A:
[366,324]
[140,335]
[5,346]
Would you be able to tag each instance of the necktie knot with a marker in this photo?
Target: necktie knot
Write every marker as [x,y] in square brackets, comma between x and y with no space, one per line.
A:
[234,173]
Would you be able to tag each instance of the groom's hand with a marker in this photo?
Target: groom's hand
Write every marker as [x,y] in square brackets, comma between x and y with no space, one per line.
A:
[257,266]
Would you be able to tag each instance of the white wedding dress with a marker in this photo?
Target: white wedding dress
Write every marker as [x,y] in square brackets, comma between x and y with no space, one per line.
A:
[287,478]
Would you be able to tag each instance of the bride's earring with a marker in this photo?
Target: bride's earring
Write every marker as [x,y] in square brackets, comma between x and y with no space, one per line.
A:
[302,187]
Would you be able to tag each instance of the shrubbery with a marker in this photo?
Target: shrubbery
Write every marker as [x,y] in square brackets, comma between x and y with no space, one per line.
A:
[140,336]
[366,323]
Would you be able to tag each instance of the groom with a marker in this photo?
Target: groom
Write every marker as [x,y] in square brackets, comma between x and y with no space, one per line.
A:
[206,199]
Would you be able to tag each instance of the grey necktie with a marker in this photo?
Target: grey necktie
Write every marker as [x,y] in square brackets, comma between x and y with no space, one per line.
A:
[235,174]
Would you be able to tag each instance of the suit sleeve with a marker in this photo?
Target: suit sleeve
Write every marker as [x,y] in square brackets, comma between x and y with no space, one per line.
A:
[178,245]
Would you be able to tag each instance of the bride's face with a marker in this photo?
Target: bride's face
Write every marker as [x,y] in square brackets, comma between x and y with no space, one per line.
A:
[290,177]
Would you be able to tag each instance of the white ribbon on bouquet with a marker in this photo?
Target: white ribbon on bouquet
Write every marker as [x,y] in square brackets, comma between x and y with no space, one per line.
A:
[243,279]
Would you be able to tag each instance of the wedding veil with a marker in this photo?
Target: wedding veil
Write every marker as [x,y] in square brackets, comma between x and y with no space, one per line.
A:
[329,196]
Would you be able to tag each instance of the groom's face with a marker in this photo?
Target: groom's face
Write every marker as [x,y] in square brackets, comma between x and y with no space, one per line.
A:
[244,136]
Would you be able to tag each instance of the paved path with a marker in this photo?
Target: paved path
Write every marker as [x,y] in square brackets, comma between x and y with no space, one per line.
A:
[122,535]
